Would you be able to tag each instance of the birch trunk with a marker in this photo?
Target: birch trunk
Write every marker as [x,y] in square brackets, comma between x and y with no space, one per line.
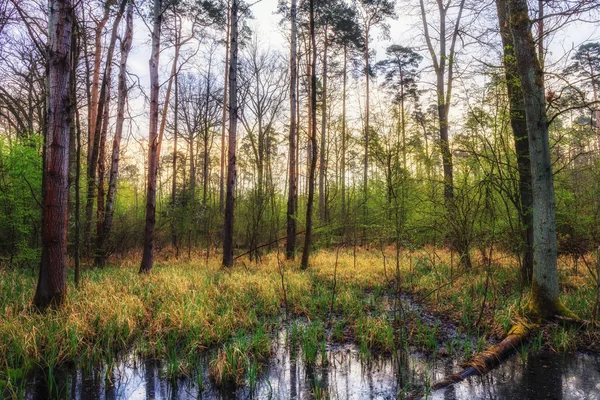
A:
[148,256]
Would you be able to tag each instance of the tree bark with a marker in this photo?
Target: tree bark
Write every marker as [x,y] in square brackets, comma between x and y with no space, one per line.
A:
[290,246]
[101,251]
[519,127]
[52,281]
[367,133]
[95,84]
[100,129]
[343,161]
[442,64]
[174,178]
[544,300]
[148,256]
[322,166]
[231,153]
[224,117]
[313,141]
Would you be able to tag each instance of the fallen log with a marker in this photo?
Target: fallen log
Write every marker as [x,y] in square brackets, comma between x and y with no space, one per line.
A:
[490,358]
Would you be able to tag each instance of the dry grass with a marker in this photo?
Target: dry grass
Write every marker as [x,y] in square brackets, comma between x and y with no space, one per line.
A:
[191,305]
[185,307]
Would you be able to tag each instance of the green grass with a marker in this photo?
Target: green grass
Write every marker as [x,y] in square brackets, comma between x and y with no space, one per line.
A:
[174,313]
[182,309]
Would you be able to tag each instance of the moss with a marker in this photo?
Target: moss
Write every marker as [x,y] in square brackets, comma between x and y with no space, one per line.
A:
[521,329]
[541,306]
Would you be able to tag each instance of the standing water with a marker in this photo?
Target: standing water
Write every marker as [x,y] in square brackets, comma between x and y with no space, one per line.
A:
[345,375]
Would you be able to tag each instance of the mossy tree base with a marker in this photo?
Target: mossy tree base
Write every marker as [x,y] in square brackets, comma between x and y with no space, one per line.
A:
[543,307]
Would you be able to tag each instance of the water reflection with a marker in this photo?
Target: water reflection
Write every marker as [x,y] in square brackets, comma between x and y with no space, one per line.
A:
[346,376]
[541,376]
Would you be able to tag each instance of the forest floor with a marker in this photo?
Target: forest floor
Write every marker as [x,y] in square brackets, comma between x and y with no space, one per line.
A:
[183,307]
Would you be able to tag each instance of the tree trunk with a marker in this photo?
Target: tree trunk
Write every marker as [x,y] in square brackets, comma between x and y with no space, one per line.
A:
[343,161]
[96,76]
[101,251]
[231,153]
[75,145]
[322,167]
[290,246]
[52,282]
[367,128]
[313,141]
[163,121]
[206,138]
[148,256]
[442,64]
[544,300]
[519,127]
[174,178]
[224,118]
[100,129]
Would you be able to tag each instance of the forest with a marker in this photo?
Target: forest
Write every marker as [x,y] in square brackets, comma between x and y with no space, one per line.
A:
[294,199]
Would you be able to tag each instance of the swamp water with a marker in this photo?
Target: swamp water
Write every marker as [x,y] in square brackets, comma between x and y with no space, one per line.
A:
[345,376]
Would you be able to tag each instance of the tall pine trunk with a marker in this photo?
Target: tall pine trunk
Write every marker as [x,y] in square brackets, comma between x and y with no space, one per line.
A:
[367,134]
[292,178]
[231,153]
[313,141]
[343,161]
[224,117]
[174,177]
[52,282]
[322,167]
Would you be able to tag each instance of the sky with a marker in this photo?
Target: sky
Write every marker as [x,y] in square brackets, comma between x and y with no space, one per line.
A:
[405,30]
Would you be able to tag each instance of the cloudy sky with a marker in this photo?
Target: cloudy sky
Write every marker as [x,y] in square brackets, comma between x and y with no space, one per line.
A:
[405,30]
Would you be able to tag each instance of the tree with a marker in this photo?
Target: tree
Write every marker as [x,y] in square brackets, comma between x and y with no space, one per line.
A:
[231,152]
[52,281]
[199,11]
[99,146]
[148,255]
[371,13]
[544,298]
[262,95]
[290,246]
[313,140]
[339,26]
[521,140]
[443,65]
[400,73]
[586,64]
[101,251]
[95,167]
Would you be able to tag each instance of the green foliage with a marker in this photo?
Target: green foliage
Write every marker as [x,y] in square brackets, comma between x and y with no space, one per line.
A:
[20,198]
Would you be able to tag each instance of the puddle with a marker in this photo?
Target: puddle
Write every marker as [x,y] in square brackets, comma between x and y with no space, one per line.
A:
[285,376]
[542,376]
